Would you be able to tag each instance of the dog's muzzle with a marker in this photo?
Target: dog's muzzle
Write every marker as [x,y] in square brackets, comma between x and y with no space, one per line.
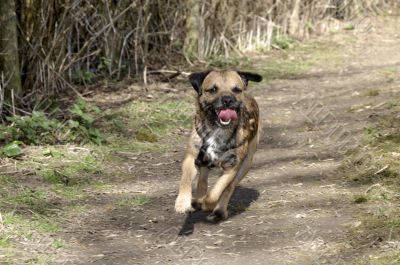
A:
[226,109]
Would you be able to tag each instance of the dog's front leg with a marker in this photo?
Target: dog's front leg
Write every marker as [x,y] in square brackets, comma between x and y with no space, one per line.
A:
[210,200]
[221,209]
[202,184]
[202,187]
[183,203]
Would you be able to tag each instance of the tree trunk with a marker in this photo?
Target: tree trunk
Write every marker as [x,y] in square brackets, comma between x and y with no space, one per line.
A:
[191,46]
[294,24]
[9,63]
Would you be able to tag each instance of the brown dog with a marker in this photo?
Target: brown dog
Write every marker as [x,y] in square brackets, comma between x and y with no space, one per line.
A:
[225,135]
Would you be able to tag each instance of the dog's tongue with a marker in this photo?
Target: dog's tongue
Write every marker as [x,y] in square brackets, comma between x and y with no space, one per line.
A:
[227,114]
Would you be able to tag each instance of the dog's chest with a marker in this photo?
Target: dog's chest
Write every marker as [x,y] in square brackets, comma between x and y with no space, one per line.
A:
[213,148]
[216,149]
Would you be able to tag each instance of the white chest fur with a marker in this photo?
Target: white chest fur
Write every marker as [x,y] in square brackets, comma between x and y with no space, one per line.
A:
[212,149]
[216,143]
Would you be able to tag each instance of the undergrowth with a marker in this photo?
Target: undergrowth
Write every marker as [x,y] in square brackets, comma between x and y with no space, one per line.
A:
[375,166]
[38,129]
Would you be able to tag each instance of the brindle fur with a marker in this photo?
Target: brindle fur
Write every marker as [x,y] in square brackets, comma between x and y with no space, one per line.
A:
[212,144]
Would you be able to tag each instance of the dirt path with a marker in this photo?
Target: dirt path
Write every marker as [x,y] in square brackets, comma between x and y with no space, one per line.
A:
[292,208]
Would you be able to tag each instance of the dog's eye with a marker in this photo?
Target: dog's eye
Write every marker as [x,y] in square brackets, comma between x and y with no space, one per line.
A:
[236,90]
[212,90]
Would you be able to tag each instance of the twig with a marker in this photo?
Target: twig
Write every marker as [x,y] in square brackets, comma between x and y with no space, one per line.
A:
[16,108]
[380,170]
[2,88]
[371,187]
[145,75]
[168,72]
[13,101]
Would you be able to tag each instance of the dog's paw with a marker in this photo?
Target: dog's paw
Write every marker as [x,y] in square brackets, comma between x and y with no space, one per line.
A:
[206,204]
[183,204]
[217,216]
[196,205]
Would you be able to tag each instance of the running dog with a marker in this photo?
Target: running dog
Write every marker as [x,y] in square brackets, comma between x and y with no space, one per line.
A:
[225,135]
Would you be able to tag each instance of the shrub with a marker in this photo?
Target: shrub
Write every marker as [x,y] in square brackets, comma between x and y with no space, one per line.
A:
[40,129]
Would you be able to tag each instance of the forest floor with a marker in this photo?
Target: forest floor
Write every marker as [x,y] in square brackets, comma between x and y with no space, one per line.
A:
[299,204]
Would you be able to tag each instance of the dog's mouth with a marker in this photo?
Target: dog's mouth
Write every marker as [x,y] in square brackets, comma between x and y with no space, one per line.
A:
[225,116]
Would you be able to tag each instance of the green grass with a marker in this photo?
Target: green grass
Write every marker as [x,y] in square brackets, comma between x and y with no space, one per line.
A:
[35,202]
[300,58]
[391,73]
[17,228]
[349,26]
[71,174]
[134,201]
[40,260]
[234,61]
[288,61]
[360,199]
[58,243]
[372,93]
[386,258]
[145,126]
[375,167]
[4,241]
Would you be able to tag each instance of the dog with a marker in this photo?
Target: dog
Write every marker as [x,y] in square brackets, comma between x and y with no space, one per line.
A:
[224,135]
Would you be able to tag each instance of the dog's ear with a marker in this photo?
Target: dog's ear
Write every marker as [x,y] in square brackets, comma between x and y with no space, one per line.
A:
[247,76]
[196,79]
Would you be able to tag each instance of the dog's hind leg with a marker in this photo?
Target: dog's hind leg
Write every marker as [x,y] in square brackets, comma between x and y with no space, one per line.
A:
[183,203]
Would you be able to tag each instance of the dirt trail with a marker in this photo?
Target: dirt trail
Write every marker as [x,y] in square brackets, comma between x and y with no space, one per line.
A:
[292,208]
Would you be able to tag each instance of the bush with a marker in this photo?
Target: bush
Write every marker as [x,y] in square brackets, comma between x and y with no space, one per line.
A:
[40,129]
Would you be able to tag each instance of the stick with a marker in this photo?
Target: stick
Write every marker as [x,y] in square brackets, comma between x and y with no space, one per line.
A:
[380,170]
[145,75]
[168,72]
[13,101]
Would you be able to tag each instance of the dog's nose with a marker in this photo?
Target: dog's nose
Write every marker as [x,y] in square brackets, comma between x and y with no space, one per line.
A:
[227,101]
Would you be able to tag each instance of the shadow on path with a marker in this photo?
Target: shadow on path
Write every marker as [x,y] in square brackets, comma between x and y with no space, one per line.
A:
[240,201]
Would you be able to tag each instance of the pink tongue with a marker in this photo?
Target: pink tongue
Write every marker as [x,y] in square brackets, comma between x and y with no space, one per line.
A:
[227,114]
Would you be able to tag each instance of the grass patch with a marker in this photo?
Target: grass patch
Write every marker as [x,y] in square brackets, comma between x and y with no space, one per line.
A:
[40,260]
[4,241]
[19,226]
[135,201]
[298,60]
[386,258]
[375,166]
[35,201]
[372,93]
[391,73]
[289,60]
[360,199]
[145,126]
[234,61]
[49,185]
[71,174]
[58,243]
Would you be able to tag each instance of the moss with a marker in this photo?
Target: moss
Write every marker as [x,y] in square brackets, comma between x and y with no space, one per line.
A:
[372,93]
[360,199]
[145,135]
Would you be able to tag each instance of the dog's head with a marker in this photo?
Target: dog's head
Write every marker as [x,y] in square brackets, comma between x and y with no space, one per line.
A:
[221,94]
